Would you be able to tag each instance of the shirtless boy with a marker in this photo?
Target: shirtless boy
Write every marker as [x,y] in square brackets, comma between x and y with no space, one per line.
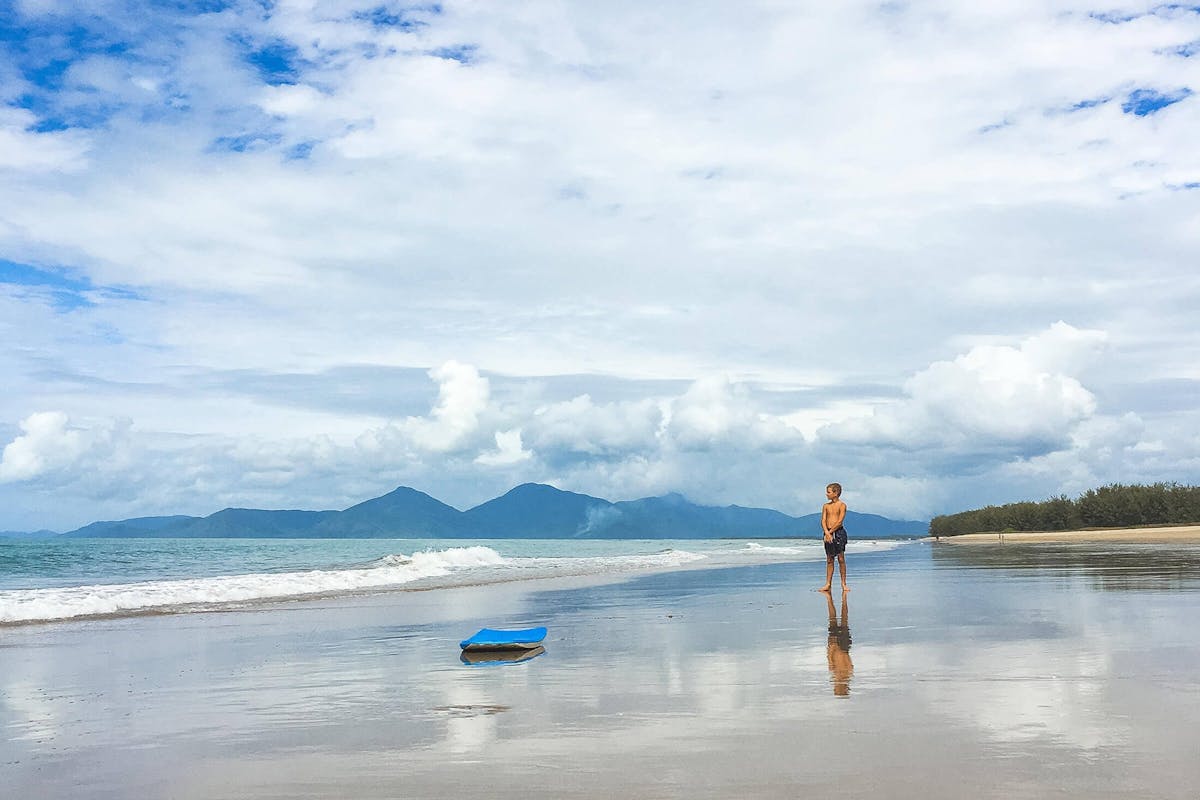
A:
[833,514]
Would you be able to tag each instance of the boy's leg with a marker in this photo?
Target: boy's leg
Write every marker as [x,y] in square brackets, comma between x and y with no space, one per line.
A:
[828,574]
[841,571]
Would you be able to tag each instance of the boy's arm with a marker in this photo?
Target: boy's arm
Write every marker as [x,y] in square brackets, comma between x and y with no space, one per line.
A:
[826,531]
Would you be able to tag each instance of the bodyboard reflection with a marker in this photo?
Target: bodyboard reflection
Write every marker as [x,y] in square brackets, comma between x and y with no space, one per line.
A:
[495,658]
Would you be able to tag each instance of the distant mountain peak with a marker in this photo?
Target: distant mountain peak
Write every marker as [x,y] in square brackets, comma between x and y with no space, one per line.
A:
[536,488]
[404,490]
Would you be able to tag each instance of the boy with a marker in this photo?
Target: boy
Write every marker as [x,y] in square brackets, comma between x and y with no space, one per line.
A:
[833,514]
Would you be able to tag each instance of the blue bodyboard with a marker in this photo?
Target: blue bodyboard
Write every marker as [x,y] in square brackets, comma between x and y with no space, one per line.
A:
[488,639]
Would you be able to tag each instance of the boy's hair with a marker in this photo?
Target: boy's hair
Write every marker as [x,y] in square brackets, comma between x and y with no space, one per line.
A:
[837,488]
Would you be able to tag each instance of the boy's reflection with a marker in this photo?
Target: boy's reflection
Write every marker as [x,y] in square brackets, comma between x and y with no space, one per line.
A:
[838,649]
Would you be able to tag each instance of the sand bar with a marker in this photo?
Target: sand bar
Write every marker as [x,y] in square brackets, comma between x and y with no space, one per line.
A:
[1179,534]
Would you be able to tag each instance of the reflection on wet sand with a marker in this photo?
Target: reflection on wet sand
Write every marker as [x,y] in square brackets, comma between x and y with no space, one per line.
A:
[1110,567]
[498,657]
[837,651]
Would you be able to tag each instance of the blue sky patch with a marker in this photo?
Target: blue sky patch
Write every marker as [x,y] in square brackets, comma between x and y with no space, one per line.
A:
[246,142]
[42,51]
[25,275]
[199,7]
[299,152]
[1092,103]
[1114,17]
[278,63]
[65,289]
[462,53]
[1143,102]
[1162,10]
[383,17]
[51,119]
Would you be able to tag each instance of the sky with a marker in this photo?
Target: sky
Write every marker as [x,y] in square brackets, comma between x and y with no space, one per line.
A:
[296,254]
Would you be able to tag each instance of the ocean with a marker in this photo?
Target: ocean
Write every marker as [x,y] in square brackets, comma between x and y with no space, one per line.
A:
[66,579]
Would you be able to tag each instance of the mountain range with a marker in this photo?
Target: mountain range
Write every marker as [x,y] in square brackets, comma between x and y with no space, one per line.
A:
[530,511]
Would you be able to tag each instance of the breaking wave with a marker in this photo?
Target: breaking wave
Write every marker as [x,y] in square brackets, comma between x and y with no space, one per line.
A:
[456,566]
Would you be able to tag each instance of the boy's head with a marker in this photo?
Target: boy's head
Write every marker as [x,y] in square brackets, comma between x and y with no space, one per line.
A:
[833,490]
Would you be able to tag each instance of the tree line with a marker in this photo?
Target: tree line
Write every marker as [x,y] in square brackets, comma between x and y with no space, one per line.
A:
[1113,506]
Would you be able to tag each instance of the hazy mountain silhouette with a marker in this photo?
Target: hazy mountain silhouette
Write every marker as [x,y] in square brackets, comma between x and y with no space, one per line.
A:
[403,513]
[138,526]
[528,511]
[251,522]
[533,511]
[663,517]
[42,534]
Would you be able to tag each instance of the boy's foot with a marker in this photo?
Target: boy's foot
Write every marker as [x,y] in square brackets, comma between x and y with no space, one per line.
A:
[825,588]
[845,588]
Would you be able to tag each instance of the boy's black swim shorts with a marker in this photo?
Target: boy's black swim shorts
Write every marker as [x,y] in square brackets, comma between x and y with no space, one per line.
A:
[838,545]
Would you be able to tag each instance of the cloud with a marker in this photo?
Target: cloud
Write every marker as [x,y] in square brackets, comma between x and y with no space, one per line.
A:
[462,397]
[1021,400]
[26,150]
[452,424]
[49,447]
[509,450]
[582,426]
[44,443]
[716,412]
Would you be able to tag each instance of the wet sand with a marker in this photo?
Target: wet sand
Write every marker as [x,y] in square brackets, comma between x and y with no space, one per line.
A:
[989,672]
[1177,534]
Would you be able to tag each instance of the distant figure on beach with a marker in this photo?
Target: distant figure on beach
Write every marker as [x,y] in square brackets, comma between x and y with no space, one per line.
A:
[833,514]
[841,668]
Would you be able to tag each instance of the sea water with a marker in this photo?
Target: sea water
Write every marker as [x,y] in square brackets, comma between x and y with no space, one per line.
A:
[61,579]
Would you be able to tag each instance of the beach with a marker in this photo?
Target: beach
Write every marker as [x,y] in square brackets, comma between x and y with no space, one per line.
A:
[1180,534]
[994,671]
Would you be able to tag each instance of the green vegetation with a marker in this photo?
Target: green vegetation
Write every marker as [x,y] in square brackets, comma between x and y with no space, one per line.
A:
[1113,506]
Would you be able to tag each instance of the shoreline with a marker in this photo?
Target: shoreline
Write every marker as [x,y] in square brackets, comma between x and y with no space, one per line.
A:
[1175,534]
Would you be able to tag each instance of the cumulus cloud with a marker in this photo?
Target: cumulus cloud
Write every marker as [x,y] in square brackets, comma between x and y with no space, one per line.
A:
[49,446]
[452,424]
[509,450]
[462,397]
[716,412]
[994,397]
[582,426]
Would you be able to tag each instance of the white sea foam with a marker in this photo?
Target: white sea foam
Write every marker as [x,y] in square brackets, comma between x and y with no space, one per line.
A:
[809,548]
[197,593]
[799,549]
[456,566]
[875,545]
